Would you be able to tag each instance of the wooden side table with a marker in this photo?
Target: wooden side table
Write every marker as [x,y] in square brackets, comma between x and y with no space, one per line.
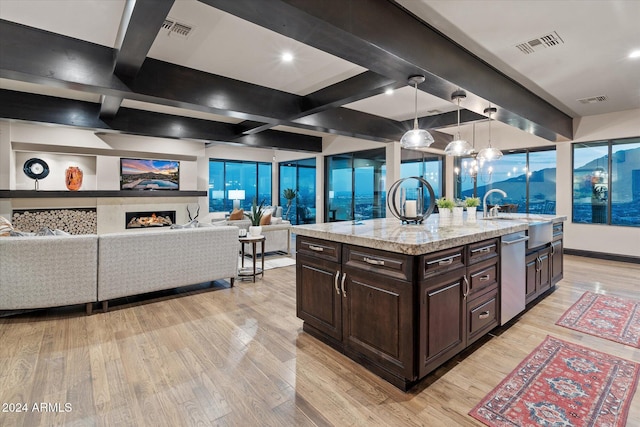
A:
[251,272]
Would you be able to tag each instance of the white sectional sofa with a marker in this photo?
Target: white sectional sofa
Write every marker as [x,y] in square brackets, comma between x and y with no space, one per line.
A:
[153,260]
[50,271]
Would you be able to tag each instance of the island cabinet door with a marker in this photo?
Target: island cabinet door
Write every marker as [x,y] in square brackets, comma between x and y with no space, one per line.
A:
[556,262]
[378,320]
[443,313]
[319,300]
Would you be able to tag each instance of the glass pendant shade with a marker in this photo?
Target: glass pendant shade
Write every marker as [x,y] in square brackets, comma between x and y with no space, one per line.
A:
[416,138]
[489,153]
[458,147]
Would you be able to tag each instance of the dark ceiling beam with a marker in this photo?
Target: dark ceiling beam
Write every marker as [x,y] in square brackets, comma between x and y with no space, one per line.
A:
[362,86]
[36,56]
[139,26]
[67,112]
[385,38]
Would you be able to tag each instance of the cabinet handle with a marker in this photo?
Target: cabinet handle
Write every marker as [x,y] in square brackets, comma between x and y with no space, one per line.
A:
[484,315]
[467,288]
[538,264]
[344,293]
[335,282]
[553,250]
[316,248]
[373,261]
[484,278]
[447,261]
[483,250]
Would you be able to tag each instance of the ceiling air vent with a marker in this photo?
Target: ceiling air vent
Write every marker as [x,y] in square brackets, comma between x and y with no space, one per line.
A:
[542,42]
[593,99]
[172,28]
[167,24]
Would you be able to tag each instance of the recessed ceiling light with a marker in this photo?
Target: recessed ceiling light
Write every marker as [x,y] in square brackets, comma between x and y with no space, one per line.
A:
[635,54]
[287,57]
[388,91]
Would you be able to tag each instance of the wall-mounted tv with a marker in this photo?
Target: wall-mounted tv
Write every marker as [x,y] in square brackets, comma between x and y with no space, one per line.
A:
[144,174]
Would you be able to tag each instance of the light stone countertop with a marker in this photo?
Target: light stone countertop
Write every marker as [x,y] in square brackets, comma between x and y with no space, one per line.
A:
[434,234]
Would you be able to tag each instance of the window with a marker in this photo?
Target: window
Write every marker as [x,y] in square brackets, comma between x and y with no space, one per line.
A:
[528,177]
[355,185]
[299,175]
[238,182]
[424,165]
[606,182]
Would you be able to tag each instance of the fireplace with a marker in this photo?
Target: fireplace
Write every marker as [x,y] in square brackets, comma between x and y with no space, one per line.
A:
[151,219]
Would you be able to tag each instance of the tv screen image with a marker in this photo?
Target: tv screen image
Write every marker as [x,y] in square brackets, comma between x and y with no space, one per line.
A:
[144,174]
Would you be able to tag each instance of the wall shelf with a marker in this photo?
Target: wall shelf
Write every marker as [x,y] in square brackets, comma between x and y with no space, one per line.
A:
[33,194]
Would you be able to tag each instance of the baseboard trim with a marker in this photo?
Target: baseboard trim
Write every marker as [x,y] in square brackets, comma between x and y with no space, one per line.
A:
[602,255]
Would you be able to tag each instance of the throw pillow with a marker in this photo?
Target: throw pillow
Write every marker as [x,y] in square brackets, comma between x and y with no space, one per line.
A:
[16,233]
[191,224]
[5,226]
[236,214]
[265,220]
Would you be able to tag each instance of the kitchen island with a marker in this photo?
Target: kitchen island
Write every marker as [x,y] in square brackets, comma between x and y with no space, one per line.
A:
[403,299]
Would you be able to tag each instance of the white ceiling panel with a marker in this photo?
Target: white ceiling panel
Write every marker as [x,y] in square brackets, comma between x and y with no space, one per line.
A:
[223,44]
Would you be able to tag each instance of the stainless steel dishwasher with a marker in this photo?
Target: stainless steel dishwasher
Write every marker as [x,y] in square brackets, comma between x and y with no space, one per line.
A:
[513,276]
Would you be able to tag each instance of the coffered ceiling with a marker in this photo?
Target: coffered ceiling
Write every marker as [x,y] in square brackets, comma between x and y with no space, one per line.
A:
[211,70]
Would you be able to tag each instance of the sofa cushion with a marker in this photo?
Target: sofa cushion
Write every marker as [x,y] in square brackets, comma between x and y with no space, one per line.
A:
[236,214]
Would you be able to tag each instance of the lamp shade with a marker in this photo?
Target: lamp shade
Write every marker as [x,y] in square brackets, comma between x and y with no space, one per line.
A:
[416,138]
[458,147]
[489,153]
[236,194]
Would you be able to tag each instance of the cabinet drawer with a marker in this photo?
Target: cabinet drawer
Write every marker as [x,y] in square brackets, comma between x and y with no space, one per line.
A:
[441,262]
[482,250]
[483,275]
[319,248]
[482,315]
[384,263]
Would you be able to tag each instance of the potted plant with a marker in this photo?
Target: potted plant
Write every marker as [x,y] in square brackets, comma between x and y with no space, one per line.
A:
[255,216]
[471,203]
[444,207]
[289,194]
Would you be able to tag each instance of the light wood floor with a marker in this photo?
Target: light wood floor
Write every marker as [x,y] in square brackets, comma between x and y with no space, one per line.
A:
[239,357]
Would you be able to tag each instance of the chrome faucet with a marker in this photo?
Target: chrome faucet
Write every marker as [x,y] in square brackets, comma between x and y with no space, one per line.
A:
[494,211]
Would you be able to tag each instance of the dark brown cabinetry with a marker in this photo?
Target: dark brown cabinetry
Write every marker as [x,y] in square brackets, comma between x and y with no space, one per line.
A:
[544,265]
[359,300]
[557,266]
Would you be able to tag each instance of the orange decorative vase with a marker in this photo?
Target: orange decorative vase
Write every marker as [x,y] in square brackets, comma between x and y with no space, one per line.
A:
[73,178]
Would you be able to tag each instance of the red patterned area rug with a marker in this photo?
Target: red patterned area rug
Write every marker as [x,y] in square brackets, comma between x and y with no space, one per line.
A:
[562,384]
[605,316]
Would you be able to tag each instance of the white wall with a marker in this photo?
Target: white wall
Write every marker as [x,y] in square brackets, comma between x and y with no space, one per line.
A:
[98,155]
[588,237]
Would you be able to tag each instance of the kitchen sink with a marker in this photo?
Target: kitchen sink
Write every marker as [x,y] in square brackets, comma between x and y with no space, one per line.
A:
[540,230]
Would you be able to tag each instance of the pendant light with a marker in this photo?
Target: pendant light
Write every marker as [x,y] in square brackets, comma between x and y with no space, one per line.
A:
[416,138]
[489,153]
[458,147]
